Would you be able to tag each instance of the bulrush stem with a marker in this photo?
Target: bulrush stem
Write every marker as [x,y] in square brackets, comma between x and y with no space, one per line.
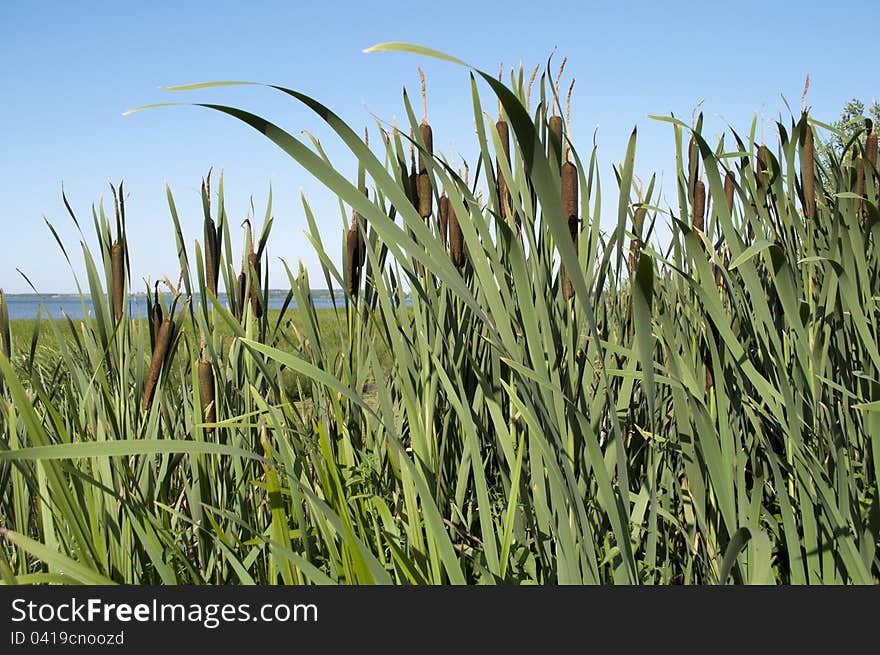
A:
[160,349]
[808,174]
[117,268]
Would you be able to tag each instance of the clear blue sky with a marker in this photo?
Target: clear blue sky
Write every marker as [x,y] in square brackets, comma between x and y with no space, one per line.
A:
[69,69]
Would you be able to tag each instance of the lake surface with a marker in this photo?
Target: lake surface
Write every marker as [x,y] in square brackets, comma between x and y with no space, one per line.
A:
[24,306]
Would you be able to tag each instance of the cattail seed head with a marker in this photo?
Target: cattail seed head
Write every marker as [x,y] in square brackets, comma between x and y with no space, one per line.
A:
[871,149]
[206,391]
[117,269]
[242,294]
[763,158]
[156,315]
[423,181]
[555,138]
[212,256]
[570,190]
[443,219]
[699,206]
[456,240]
[729,189]
[5,336]
[256,286]
[693,164]
[352,260]
[160,350]
[808,174]
[428,138]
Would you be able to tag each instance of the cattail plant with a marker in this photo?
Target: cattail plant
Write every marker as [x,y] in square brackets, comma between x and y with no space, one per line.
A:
[569,198]
[699,206]
[352,259]
[424,180]
[241,295]
[502,186]
[693,167]
[117,268]
[413,173]
[212,240]
[554,145]
[206,388]
[160,350]
[251,267]
[762,166]
[155,315]
[871,147]
[443,219]
[729,188]
[5,338]
[456,238]
[117,261]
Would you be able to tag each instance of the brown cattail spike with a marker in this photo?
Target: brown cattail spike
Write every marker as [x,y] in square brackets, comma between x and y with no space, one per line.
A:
[206,391]
[117,268]
[424,180]
[443,219]
[160,350]
[871,149]
[352,260]
[456,241]
[570,207]
[763,159]
[156,317]
[729,189]
[242,294]
[693,165]
[555,149]
[256,286]
[700,206]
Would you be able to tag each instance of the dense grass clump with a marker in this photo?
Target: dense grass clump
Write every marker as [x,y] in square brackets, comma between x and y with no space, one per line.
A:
[539,401]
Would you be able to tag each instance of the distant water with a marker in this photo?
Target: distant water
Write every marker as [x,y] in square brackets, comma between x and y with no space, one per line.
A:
[23,306]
